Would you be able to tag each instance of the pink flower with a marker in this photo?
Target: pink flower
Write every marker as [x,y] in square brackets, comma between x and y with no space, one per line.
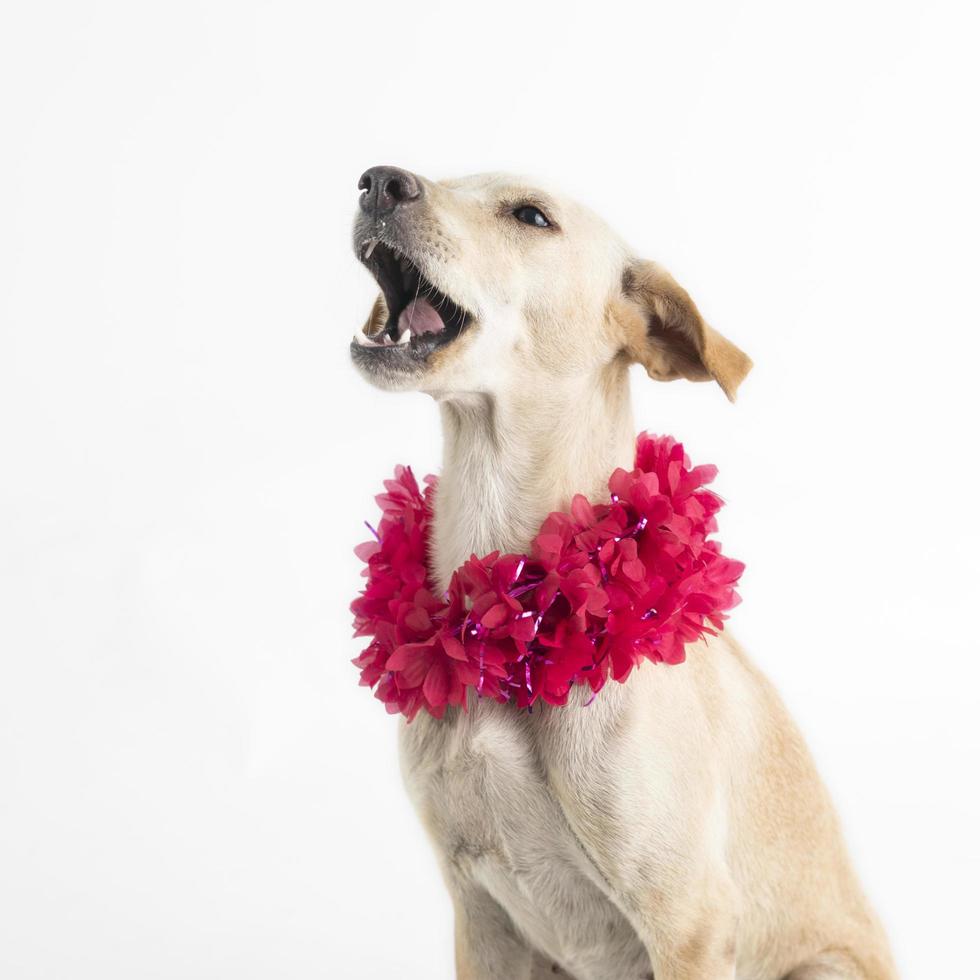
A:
[605,587]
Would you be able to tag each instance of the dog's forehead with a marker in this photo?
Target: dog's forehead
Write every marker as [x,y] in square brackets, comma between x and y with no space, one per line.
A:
[506,188]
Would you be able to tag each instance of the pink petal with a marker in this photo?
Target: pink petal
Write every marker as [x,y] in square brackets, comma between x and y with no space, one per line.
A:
[436,686]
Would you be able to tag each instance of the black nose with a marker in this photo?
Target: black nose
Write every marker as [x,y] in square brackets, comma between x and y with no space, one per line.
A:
[387,187]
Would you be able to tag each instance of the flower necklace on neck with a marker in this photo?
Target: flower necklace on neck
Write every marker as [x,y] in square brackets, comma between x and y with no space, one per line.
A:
[605,586]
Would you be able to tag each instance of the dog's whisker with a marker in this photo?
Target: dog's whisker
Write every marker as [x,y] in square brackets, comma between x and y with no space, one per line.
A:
[411,319]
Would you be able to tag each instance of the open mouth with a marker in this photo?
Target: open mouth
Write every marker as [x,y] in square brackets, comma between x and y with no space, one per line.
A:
[421,319]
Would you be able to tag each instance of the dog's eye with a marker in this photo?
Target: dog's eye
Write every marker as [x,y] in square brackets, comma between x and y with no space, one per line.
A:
[530,215]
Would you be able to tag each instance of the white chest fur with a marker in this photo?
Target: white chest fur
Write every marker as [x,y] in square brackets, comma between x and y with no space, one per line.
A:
[483,784]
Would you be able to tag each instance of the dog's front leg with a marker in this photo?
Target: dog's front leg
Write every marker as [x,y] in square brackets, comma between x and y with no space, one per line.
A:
[688,929]
[487,944]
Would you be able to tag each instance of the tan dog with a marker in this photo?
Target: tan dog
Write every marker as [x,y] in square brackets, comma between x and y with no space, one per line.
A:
[678,827]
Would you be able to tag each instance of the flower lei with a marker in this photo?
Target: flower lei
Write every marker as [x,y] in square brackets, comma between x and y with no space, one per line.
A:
[604,587]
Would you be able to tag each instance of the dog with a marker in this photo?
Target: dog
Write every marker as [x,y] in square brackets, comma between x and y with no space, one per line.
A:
[677,829]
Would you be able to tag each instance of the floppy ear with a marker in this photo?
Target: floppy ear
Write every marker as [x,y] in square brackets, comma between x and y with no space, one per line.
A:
[378,317]
[668,336]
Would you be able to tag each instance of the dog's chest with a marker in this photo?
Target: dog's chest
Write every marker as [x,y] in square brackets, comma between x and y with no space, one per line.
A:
[482,787]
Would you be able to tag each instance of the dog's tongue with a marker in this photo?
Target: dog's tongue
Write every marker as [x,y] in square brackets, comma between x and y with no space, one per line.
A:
[419,317]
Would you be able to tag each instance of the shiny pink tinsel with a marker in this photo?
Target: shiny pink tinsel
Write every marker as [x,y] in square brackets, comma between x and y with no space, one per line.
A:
[605,586]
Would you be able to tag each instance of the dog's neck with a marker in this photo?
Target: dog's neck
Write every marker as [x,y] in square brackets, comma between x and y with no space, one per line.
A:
[511,459]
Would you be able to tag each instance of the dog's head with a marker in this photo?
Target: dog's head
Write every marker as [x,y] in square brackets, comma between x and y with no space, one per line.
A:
[487,282]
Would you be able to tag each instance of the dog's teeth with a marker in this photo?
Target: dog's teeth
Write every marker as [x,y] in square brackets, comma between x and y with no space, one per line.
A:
[405,337]
[369,248]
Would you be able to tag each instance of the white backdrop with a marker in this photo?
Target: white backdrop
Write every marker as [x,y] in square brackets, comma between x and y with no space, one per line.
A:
[192,785]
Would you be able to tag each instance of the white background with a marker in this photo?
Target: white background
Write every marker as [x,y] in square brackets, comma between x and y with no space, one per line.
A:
[192,785]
